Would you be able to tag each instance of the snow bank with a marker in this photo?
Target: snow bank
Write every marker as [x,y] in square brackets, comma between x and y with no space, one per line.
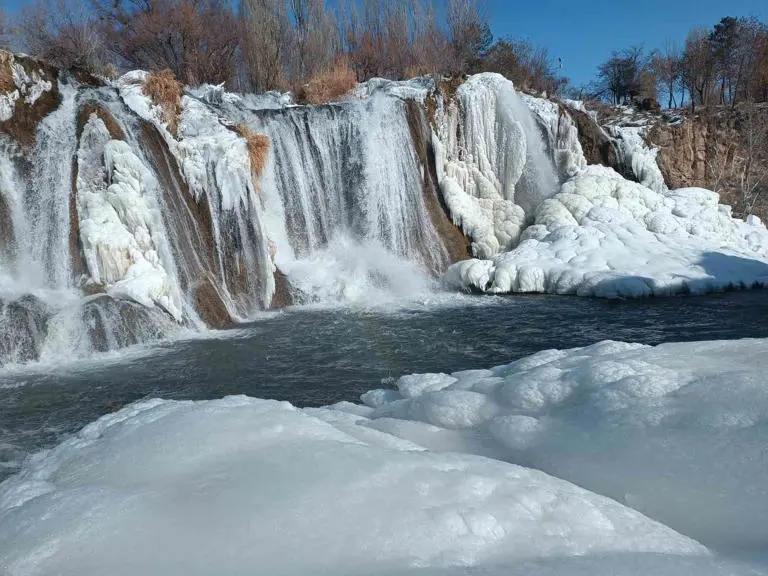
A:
[121,227]
[605,236]
[237,485]
[677,432]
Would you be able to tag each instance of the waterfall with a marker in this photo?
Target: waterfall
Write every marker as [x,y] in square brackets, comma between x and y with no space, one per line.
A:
[345,208]
[117,231]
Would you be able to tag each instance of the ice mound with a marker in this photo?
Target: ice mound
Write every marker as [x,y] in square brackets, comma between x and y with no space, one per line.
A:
[677,432]
[605,236]
[237,485]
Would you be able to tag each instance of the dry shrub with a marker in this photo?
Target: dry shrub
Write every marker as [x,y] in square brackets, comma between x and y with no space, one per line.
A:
[333,82]
[165,91]
[258,148]
[6,73]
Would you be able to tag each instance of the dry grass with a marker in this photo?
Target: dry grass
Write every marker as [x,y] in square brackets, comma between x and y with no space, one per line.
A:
[335,81]
[258,148]
[165,91]
[6,74]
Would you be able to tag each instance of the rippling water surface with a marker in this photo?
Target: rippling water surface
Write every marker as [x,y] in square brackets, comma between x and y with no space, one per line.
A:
[320,356]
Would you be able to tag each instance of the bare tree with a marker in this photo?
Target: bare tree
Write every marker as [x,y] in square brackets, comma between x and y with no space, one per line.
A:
[196,39]
[315,39]
[698,69]
[64,32]
[264,35]
[528,66]
[627,77]
[470,33]
[666,64]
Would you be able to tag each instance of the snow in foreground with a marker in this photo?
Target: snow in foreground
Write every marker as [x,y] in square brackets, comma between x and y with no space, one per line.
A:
[236,485]
[678,431]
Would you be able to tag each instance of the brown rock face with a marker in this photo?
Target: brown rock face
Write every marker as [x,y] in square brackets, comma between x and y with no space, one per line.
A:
[191,224]
[89,108]
[283,296]
[710,150]
[597,146]
[455,243]
[22,126]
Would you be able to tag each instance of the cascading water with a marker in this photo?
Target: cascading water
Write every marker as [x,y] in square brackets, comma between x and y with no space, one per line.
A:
[343,187]
[48,196]
[119,230]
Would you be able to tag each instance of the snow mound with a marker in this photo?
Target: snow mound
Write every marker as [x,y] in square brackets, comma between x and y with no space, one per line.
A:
[605,236]
[222,487]
[677,432]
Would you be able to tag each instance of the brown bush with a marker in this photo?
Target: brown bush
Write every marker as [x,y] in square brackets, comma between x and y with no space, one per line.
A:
[6,74]
[165,91]
[258,148]
[333,82]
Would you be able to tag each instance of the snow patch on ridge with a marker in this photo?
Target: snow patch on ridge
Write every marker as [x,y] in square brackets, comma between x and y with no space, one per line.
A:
[29,87]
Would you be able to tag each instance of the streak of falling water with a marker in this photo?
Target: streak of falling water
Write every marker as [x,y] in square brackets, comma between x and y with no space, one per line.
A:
[50,192]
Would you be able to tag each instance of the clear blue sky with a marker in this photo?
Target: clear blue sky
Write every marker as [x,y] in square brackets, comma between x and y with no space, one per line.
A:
[583,33]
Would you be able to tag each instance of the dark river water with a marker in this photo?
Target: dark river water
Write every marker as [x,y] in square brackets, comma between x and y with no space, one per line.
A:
[313,356]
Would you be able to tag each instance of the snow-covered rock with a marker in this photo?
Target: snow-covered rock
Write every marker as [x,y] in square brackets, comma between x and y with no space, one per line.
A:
[28,87]
[237,485]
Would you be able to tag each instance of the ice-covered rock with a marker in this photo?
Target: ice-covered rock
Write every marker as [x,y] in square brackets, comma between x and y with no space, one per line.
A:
[120,224]
[28,86]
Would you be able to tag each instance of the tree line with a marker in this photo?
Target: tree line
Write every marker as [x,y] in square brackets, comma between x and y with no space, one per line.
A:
[722,65]
[274,44]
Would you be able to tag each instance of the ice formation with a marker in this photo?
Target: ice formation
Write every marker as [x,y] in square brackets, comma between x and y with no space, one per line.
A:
[636,154]
[596,234]
[121,227]
[492,163]
[603,235]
